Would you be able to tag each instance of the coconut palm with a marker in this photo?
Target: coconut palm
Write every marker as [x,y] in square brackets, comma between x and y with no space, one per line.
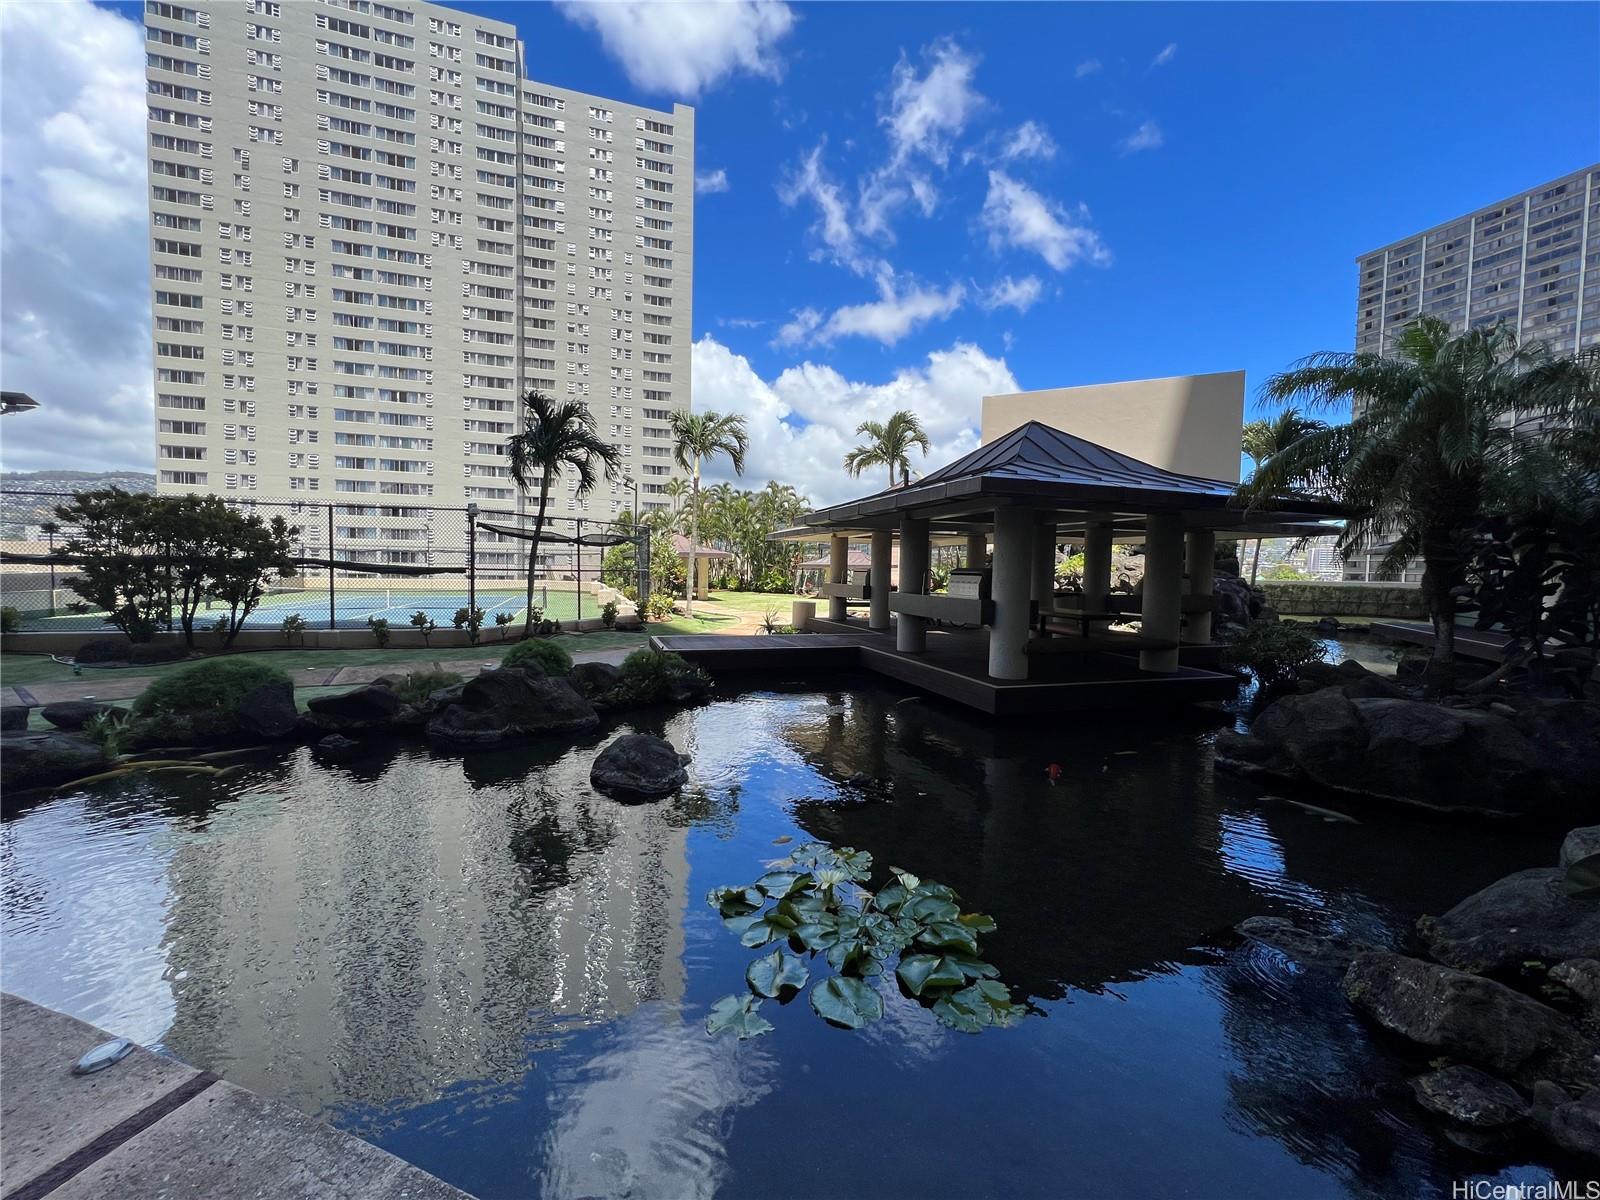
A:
[675,490]
[555,438]
[889,445]
[697,437]
[1434,439]
[1262,439]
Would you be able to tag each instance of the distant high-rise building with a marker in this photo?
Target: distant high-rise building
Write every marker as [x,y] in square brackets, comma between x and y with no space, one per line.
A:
[371,232]
[1532,261]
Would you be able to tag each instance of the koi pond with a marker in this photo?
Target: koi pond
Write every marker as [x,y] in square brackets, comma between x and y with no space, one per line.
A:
[487,968]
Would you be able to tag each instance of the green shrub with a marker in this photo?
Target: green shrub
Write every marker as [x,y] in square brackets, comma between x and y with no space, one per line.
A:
[380,631]
[647,674]
[1274,653]
[293,626]
[417,686]
[199,701]
[470,619]
[608,614]
[108,729]
[548,655]
[10,619]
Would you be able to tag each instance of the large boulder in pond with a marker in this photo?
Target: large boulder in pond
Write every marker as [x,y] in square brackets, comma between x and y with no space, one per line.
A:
[372,706]
[1470,1018]
[595,678]
[73,715]
[268,711]
[638,766]
[1237,603]
[1580,843]
[511,703]
[1468,1096]
[30,760]
[1453,760]
[1574,1125]
[1524,917]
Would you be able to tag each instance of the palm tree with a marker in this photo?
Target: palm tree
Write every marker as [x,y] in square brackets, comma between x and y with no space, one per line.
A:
[676,489]
[697,437]
[555,438]
[1433,436]
[1262,439]
[889,445]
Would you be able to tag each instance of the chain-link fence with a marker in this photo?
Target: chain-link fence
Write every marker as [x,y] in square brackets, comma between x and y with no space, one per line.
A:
[355,560]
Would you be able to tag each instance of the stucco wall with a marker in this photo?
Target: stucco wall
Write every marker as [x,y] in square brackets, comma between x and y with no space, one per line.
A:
[1188,423]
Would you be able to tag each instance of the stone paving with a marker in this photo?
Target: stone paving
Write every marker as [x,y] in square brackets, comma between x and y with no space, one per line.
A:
[150,1128]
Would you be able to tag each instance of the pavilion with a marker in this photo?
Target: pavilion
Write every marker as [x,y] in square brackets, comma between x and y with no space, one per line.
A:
[1025,494]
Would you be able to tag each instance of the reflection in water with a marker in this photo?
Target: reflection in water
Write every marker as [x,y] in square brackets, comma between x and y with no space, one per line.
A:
[502,976]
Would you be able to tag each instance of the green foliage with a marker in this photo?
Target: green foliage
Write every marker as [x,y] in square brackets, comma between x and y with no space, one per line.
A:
[889,444]
[293,626]
[201,700]
[742,523]
[814,904]
[380,631]
[648,674]
[608,614]
[109,729]
[660,607]
[470,619]
[423,624]
[619,568]
[144,558]
[417,686]
[1274,653]
[10,619]
[502,620]
[548,655]
[1285,571]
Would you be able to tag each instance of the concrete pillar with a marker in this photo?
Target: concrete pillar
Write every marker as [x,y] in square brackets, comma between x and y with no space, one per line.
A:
[1200,567]
[838,572]
[1162,609]
[878,603]
[1011,584]
[1096,561]
[911,633]
[977,550]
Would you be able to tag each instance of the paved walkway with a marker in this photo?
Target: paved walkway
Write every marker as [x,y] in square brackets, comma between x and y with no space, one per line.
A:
[150,1128]
[114,685]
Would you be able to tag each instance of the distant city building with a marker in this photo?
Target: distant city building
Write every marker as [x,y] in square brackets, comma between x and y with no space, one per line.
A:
[1532,261]
[371,232]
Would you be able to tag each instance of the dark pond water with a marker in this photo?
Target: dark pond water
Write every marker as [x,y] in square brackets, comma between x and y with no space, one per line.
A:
[503,977]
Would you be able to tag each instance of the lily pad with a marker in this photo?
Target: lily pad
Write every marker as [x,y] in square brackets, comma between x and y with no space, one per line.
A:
[739,1014]
[772,974]
[734,901]
[920,972]
[949,934]
[779,884]
[972,1009]
[848,1002]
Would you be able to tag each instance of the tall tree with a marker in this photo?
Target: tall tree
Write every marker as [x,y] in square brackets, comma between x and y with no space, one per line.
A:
[1262,439]
[889,445]
[555,438]
[1434,437]
[698,437]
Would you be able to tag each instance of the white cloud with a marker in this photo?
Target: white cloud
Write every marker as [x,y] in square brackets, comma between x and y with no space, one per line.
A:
[687,47]
[74,272]
[1147,137]
[1028,140]
[1166,55]
[1020,294]
[926,111]
[897,311]
[803,422]
[707,182]
[811,181]
[1087,67]
[1016,215]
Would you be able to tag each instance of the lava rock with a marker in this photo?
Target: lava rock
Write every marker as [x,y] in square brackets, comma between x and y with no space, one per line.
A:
[1525,916]
[1304,947]
[14,717]
[1470,1018]
[1581,977]
[511,702]
[1453,760]
[638,766]
[373,706]
[688,689]
[268,711]
[1470,1097]
[73,715]
[1580,843]
[30,760]
[595,678]
[1237,603]
[1574,1125]
[338,748]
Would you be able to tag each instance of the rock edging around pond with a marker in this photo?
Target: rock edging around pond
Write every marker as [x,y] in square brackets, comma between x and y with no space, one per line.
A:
[1532,759]
[1511,1007]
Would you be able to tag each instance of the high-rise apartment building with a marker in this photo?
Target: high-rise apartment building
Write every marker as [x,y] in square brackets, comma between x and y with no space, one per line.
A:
[370,232]
[1532,261]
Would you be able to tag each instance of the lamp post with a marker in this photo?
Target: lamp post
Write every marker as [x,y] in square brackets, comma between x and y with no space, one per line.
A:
[628,481]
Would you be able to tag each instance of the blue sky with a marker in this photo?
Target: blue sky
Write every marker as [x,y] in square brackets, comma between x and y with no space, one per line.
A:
[926,201]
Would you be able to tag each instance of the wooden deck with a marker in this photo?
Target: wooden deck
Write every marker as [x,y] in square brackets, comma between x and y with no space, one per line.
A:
[1485,646]
[956,667]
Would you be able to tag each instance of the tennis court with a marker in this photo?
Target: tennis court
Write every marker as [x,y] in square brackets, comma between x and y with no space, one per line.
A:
[352,607]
